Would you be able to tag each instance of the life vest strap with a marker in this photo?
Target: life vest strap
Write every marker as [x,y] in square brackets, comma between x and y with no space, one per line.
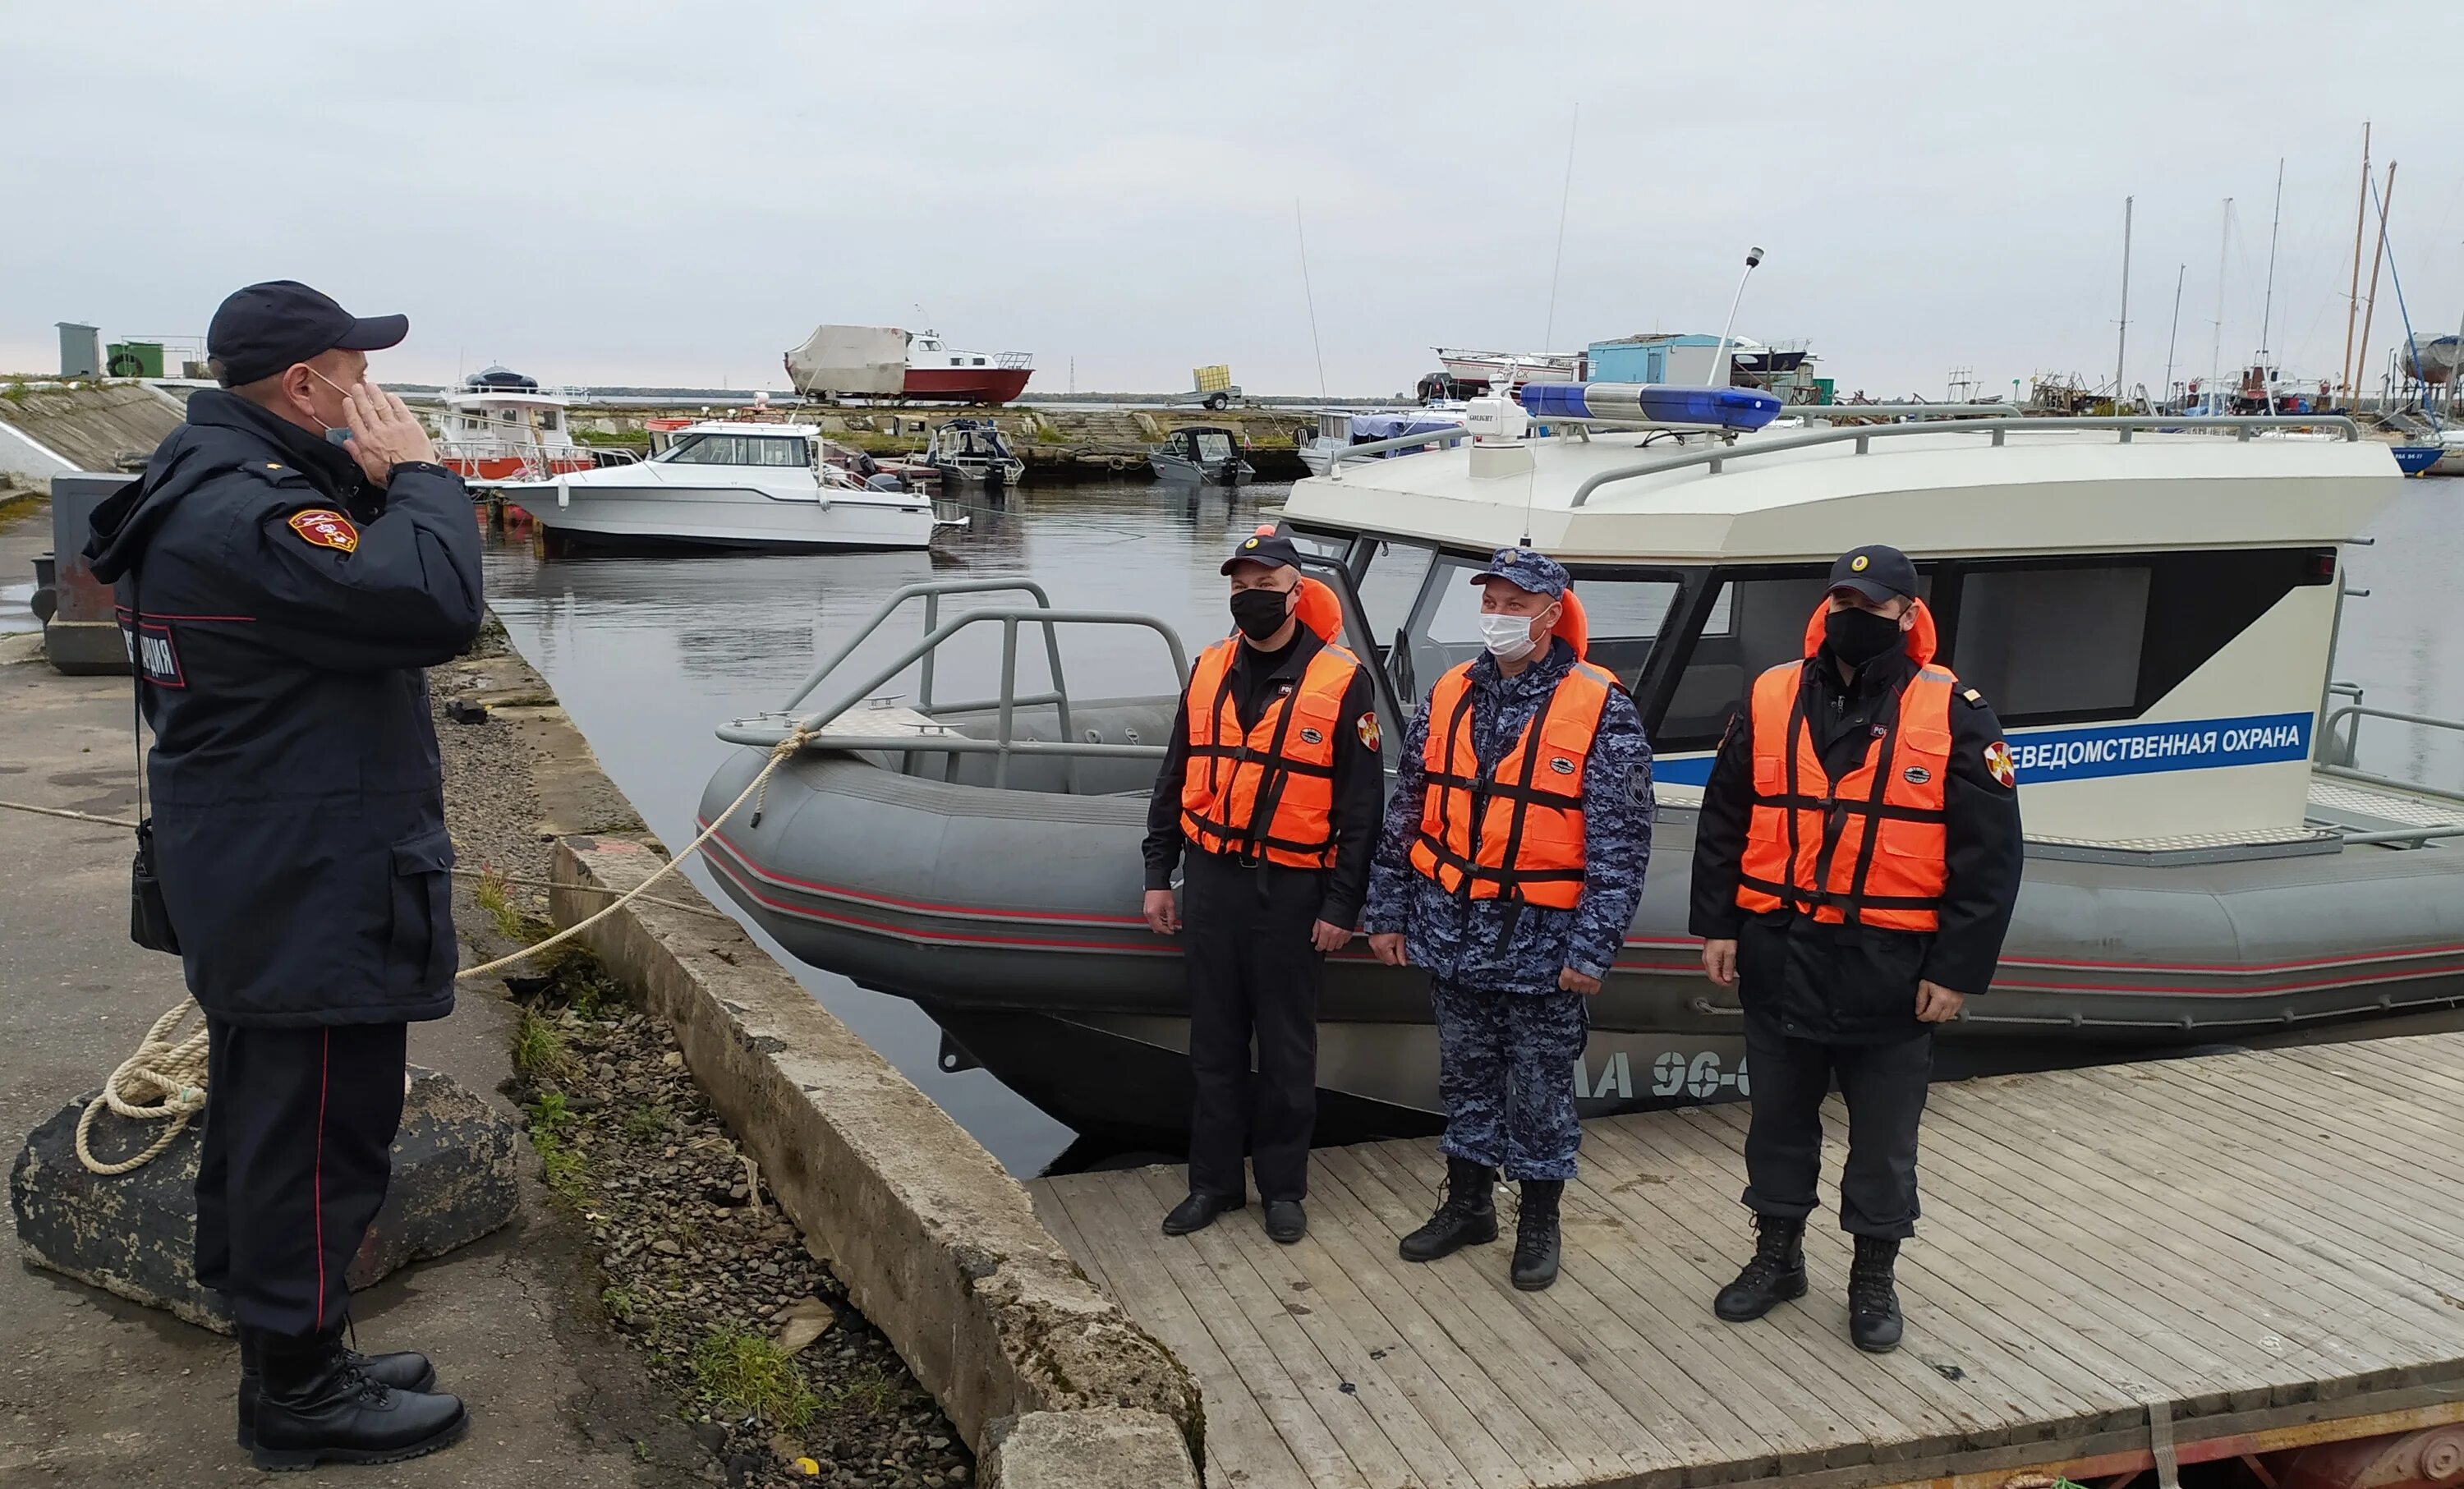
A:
[1499,876]
[1242,755]
[1862,808]
[1813,899]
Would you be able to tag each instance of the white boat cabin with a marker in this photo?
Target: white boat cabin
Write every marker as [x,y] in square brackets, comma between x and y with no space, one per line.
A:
[2150,614]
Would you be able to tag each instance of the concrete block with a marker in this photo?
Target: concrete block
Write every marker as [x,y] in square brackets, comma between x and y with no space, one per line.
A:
[1104,1448]
[135,1235]
[937,1244]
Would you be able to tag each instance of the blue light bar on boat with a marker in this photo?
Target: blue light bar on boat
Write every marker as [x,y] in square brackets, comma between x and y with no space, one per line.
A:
[1650,403]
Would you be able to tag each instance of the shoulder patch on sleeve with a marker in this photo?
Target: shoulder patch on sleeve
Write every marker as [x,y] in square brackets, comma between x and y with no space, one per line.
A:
[2000,766]
[1366,727]
[325,528]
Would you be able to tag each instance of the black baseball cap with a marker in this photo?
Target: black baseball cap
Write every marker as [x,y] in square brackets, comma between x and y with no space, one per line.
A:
[1270,548]
[266,327]
[1876,571]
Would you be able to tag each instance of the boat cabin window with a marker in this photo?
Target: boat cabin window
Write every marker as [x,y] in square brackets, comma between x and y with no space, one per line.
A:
[1210,444]
[1626,609]
[547,419]
[2053,642]
[739,450]
[1397,570]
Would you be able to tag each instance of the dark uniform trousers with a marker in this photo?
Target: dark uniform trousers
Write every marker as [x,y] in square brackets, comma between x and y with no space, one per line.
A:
[298,1146]
[1885,1089]
[1252,973]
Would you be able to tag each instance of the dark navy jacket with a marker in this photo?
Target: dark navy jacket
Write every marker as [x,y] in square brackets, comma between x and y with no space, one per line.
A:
[299,808]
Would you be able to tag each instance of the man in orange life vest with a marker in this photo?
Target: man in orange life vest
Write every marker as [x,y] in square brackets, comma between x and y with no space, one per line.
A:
[1273,781]
[1856,863]
[1511,866]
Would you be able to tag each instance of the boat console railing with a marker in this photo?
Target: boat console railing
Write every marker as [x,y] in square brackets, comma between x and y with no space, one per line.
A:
[836,724]
[2341,732]
[1716,458]
[1373,449]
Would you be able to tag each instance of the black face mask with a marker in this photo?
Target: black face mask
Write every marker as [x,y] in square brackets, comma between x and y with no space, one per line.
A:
[1857,637]
[1259,613]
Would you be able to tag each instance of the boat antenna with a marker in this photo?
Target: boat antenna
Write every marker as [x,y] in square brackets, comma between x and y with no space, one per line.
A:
[1565,195]
[1720,356]
[1309,294]
[2266,307]
[2353,296]
[2174,340]
[2121,338]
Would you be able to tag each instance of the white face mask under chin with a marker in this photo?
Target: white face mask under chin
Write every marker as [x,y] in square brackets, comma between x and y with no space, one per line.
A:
[1507,637]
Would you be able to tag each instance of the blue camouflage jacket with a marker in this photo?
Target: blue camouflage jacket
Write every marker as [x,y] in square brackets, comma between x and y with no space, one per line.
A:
[1457,939]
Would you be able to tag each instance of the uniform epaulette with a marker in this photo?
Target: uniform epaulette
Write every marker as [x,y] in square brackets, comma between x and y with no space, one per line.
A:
[1975,699]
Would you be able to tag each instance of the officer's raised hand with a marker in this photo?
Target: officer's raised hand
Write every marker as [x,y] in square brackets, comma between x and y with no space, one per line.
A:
[384,433]
[1163,915]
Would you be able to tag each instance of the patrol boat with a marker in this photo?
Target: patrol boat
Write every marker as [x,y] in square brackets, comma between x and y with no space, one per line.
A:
[2152,614]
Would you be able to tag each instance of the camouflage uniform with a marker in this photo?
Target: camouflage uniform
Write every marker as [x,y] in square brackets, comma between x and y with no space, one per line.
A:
[1507,1035]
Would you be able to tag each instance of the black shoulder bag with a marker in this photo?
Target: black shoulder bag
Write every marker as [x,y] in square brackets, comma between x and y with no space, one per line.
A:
[150,919]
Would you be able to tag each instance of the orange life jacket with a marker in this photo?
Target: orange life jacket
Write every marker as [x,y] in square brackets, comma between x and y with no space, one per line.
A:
[1518,832]
[1869,847]
[1267,792]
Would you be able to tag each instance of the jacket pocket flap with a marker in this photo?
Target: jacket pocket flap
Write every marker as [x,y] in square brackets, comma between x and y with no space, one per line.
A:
[428,853]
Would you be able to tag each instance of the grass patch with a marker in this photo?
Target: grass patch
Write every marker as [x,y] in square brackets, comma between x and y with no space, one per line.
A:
[871,1391]
[495,896]
[649,1124]
[744,1375]
[621,1303]
[538,1050]
[566,1171]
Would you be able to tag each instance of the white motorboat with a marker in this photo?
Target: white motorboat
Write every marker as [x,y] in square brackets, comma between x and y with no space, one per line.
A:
[1337,431]
[734,485]
[500,426]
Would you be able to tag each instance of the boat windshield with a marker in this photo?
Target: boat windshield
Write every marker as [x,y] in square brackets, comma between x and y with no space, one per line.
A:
[738,449]
[1627,608]
[1210,444]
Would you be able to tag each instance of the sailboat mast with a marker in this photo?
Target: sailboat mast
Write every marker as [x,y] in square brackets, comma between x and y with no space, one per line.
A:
[2353,296]
[2121,338]
[2216,347]
[2370,306]
[2266,307]
[2174,340]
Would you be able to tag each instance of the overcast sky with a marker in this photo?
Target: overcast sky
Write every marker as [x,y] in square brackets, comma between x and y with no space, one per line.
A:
[647,193]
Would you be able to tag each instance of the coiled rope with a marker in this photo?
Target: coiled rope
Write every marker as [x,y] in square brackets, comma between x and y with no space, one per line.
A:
[166,1080]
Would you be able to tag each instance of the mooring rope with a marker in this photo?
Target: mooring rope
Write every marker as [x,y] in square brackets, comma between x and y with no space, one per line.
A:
[166,1082]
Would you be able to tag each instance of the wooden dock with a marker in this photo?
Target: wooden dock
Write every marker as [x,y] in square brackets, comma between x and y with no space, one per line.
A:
[2193,1258]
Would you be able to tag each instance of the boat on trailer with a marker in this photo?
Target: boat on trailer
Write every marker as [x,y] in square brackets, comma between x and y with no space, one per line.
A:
[2152,614]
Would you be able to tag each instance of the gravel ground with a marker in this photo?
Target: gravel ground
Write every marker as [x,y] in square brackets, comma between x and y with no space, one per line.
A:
[696,1266]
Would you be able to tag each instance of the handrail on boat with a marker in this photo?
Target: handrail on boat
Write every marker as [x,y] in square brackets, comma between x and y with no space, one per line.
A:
[1375,448]
[1006,702]
[2342,749]
[1861,436]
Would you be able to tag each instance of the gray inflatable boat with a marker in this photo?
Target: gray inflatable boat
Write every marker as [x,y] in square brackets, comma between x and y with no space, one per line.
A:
[2205,866]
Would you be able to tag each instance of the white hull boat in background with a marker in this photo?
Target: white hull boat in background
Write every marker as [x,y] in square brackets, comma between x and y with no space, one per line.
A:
[732,485]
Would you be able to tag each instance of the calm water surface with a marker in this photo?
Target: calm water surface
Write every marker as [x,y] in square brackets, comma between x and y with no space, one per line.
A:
[649,653]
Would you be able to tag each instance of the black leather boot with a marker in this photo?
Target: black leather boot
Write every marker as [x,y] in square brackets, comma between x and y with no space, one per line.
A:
[1874,1321]
[1535,1235]
[403,1371]
[1775,1274]
[315,1405]
[1468,1217]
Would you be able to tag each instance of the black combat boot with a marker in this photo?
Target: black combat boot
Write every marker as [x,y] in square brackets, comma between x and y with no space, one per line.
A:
[1775,1274]
[1873,1302]
[315,1405]
[1535,1235]
[1466,1217]
[404,1370]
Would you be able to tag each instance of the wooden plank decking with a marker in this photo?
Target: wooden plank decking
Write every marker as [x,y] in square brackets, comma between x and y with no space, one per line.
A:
[2252,1241]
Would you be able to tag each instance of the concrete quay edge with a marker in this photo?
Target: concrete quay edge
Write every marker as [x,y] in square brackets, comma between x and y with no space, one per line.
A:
[935,1242]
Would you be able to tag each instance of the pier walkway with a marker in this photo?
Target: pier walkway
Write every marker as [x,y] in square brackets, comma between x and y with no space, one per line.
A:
[2207,1258]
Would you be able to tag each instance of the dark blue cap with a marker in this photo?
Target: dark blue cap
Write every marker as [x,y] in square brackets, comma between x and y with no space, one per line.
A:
[1876,571]
[1265,546]
[267,327]
[1526,569]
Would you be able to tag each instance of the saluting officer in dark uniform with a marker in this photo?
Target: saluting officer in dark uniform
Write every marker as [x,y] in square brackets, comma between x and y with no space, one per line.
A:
[1856,864]
[292,558]
[1273,782]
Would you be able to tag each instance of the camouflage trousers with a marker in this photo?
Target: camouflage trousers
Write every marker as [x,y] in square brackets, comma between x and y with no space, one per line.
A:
[1506,1069]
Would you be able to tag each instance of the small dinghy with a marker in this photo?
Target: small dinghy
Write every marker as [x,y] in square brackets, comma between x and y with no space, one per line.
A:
[2152,614]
